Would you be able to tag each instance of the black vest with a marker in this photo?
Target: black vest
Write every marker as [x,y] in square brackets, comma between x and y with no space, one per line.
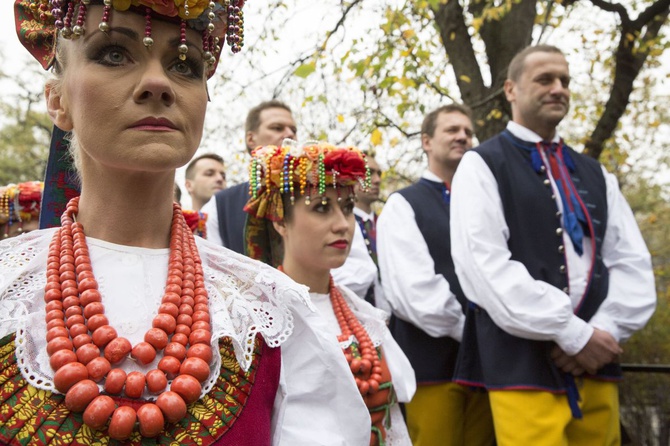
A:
[433,359]
[493,357]
[232,218]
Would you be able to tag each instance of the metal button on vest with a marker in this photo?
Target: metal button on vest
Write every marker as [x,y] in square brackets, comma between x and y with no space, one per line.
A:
[566,290]
[547,182]
[561,269]
[553,196]
[559,214]
[543,169]
[559,231]
[561,249]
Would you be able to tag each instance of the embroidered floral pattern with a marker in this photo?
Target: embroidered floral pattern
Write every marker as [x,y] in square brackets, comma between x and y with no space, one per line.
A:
[30,416]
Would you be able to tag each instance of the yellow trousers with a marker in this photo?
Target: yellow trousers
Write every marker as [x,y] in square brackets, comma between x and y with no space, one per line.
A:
[449,415]
[528,417]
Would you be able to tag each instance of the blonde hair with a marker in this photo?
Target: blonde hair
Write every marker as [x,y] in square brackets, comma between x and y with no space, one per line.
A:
[55,84]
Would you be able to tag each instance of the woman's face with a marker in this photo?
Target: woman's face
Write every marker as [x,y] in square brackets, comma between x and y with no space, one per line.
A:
[132,107]
[318,236]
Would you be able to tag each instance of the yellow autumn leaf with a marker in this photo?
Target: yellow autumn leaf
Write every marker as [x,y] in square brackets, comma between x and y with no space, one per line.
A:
[452,36]
[408,34]
[340,118]
[464,78]
[376,137]
[494,114]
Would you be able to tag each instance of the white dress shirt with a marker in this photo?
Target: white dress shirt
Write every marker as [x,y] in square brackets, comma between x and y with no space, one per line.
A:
[212,210]
[412,288]
[533,309]
[359,271]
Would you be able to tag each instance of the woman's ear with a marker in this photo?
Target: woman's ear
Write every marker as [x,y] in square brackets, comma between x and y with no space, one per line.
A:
[57,109]
[280,227]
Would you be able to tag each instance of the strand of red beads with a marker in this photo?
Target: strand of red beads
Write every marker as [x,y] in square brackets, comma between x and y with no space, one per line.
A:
[366,368]
[84,349]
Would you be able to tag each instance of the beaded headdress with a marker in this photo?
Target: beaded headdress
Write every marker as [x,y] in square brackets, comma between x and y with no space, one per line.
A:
[19,203]
[284,174]
[38,23]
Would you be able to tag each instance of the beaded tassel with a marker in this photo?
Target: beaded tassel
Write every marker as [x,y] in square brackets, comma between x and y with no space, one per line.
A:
[291,173]
[104,23]
[148,41]
[183,48]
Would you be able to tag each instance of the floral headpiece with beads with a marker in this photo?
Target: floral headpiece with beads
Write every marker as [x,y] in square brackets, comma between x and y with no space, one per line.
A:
[294,170]
[20,203]
[39,21]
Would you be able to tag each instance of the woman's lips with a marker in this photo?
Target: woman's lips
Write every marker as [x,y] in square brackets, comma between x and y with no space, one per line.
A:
[339,244]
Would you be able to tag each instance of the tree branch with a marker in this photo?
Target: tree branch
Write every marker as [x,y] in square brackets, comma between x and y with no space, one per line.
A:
[629,60]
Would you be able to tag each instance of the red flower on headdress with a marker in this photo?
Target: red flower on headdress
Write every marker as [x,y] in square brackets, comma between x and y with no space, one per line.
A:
[163,7]
[348,163]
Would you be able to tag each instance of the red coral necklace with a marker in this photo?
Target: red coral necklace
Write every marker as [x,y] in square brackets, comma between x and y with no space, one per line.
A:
[365,366]
[84,349]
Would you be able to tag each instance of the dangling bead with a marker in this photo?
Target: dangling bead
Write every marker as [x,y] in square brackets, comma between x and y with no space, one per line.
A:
[104,23]
[66,32]
[78,29]
[148,41]
[183,48]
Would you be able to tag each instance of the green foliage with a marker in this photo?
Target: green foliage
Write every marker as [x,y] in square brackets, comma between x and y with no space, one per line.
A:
[24,133]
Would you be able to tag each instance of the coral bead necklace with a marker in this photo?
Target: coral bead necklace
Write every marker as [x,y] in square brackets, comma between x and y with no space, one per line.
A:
[365,366]
[84,349]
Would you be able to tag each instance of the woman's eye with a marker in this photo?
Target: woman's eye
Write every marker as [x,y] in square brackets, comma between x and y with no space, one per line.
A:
[182,68]
[320,207]
[188,67]
[112,55]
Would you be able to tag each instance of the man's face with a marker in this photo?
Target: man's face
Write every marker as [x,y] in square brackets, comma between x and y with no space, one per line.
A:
[540,98]
[209,178]
[276,124]
[451,139]
[372,194]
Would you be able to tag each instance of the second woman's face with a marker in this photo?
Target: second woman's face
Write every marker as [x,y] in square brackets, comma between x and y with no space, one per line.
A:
[133,107]
[319,235]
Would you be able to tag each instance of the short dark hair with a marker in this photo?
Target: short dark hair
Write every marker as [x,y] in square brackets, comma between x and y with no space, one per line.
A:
[254,115]
[429,122]
[516,66]
[191,166]
[177,193]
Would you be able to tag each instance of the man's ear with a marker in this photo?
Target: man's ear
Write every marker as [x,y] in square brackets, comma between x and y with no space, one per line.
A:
[510,92]
[425,142]
[250,140]
[57,109]
[188,184]
[280,227]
